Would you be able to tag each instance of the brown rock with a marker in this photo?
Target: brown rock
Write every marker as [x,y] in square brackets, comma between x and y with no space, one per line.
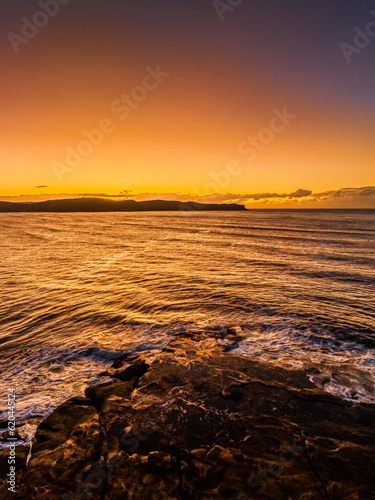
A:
[200,423]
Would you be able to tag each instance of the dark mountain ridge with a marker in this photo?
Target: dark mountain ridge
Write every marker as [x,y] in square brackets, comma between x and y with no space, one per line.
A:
[104,205]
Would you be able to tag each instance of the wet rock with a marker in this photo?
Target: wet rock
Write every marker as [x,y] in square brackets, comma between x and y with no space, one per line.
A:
[128,366]
[200,423]
[66,444]
[97,394]
[136,370]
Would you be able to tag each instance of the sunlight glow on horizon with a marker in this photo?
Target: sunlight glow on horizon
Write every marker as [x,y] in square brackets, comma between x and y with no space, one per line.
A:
[180,136]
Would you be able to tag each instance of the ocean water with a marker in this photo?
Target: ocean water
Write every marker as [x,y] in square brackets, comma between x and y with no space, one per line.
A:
[77,290]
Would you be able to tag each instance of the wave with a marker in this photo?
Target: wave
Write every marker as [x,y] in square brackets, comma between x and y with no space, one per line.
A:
[298,287]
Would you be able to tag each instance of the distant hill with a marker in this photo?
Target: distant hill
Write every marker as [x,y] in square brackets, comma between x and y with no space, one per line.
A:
[104,205]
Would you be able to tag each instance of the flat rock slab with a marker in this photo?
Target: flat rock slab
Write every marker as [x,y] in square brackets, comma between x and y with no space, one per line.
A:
[197,422]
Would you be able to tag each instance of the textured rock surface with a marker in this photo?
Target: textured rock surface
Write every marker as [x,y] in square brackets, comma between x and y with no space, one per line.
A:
[199,423]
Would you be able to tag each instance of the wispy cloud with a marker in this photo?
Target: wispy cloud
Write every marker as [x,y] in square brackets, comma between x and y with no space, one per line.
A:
[302,198]
[363,197]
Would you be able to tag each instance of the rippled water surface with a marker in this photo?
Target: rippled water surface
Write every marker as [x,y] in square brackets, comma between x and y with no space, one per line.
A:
[79,289]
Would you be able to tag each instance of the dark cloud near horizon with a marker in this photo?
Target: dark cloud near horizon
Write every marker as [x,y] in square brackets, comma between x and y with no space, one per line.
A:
[300,193]
[363,197]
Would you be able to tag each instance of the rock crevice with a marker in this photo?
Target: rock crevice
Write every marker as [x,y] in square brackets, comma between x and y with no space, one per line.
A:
[197,422]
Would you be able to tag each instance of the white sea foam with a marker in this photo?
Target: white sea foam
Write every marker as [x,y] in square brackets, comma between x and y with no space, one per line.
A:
[80,289]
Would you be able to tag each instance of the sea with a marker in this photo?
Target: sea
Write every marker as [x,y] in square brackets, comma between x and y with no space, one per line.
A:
[79,289]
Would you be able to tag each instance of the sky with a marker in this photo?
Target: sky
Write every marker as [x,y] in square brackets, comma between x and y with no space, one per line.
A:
[266,102]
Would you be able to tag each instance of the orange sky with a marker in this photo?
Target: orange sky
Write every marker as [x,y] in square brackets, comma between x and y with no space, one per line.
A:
[184,132]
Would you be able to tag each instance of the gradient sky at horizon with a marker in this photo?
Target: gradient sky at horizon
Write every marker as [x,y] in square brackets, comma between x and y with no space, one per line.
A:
[225,79]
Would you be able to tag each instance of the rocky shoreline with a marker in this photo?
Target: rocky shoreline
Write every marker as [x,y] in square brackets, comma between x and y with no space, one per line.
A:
[197,422]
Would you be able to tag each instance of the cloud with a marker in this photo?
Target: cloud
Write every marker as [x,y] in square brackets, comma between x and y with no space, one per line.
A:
[302,198]
[300,193]
[347,198]
[220,197]
[40,187]
[122,195]
[363,197]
